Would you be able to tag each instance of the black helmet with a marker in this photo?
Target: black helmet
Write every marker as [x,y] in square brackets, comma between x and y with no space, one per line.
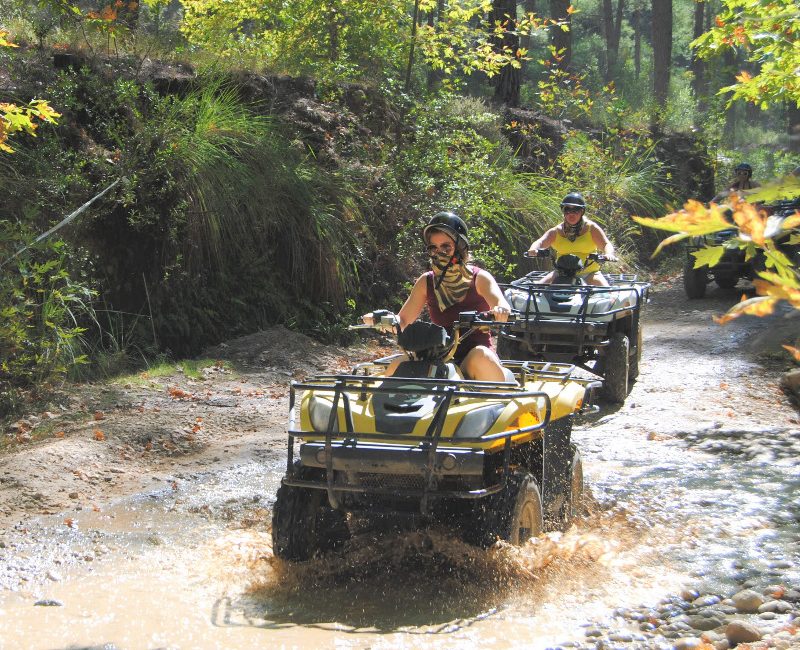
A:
[744,167]
[450,224]
[574,199]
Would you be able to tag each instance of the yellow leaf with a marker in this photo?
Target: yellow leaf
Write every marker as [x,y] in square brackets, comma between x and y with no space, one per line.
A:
[695,219]
[759,306]
[571,10]
[743,77]
[795,352]
[708,256]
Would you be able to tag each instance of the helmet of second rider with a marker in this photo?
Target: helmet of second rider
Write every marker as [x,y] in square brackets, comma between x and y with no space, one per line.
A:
[744,167]
[450,224]
[574,200]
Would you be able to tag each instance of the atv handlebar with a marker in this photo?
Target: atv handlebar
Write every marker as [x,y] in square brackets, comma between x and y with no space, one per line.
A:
[548,252]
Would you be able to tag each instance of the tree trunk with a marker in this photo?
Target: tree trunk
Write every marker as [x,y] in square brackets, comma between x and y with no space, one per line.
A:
[435,76]
[637,39]
[561,40]
[698,67]
[412,44]
[507,84]
[612,27]
[662,50]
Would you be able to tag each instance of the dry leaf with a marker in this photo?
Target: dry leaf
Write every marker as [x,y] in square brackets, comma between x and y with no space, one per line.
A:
[59,434]
[99,415]
[69,522]
[99,435]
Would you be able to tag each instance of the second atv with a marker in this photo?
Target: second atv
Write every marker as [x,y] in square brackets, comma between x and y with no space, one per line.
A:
[596,328]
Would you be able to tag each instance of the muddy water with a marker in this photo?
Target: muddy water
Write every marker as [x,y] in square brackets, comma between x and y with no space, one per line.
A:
[189,565]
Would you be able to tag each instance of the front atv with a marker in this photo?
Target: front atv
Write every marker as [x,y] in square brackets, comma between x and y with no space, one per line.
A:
[595,328]
[493,459]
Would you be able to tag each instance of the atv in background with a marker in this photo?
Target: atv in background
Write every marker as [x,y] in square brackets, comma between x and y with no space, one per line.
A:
[596,328]
[494,460]
[734,264]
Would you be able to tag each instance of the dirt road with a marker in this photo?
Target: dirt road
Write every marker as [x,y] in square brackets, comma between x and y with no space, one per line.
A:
[136,513]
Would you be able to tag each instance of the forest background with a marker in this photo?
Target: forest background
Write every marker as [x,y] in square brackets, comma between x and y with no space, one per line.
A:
[258,163]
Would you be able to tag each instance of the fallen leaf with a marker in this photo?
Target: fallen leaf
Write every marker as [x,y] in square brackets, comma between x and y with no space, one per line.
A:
[99,435]
[69,522]
[99,415]
[149,445]
[59,434]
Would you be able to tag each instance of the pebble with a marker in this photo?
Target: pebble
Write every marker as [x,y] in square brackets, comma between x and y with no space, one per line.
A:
[54,576]
[779,606]
[48,602]
[747,601]
[742,632]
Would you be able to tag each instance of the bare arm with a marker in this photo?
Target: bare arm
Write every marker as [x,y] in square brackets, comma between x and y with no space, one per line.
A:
[490,291]
[415,303]
[602,242]
[545,241]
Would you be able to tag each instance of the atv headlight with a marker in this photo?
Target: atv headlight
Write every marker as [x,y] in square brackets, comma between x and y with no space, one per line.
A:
[477,422]
[319,412]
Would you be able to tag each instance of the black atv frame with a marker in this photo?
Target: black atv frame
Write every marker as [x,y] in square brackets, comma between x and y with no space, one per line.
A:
[610,349]
[424,478]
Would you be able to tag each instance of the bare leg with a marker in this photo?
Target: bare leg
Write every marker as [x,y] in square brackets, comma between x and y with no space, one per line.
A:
[597,279]
[548,279]
[482,364]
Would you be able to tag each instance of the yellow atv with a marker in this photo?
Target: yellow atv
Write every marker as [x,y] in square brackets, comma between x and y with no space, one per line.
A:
[494,459]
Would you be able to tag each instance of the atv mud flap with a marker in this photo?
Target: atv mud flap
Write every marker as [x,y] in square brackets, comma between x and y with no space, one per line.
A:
[556,462]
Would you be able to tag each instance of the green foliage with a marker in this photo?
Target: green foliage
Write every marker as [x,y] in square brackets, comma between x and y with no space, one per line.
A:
[456,159]
[767,32]
[41,318]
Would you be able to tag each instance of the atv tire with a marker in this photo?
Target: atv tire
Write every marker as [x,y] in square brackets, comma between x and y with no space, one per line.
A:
[303,524]
[727,282]
[694,280]
[633,368]
[573,505]
[509,349]
[514,514]
[616,367]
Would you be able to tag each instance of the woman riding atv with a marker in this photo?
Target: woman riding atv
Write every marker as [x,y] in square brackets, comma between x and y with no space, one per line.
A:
[578,236]
[454,286]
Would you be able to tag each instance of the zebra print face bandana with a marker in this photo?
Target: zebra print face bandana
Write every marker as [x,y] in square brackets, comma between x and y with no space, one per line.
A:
[451,279]
[572,232]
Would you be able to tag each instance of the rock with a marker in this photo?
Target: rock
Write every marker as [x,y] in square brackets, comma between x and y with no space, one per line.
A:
[777,606]
[48,602]
[790,382]
[705,601]
[686,643]
[742,632]
[54,576]
[705,622]
[747,601]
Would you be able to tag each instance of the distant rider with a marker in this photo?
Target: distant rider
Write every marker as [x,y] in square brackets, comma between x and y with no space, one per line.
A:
[454,286]
[742,180]
[579,236]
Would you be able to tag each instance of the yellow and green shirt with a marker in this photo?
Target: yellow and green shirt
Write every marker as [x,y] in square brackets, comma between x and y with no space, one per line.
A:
[582,247]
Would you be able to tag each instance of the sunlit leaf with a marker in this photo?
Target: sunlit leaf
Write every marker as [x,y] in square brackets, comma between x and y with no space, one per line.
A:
[758,306]
[708,256]
[785,188]
[795,352]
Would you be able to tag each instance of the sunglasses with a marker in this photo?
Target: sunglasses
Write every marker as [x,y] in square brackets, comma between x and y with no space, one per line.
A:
[571,208]
[446,249]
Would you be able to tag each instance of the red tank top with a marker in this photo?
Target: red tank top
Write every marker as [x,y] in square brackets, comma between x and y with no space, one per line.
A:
[472,301]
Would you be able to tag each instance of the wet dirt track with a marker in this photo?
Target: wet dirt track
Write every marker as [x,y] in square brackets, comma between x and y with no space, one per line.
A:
[694,482]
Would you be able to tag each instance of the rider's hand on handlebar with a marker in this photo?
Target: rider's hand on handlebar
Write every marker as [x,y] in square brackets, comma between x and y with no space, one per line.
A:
[500,313]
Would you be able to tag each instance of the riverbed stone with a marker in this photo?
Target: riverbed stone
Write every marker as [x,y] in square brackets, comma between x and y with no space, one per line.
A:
[705,601]
[777,606]
[748,601]
[705,622]
[742,632]
[687,643]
